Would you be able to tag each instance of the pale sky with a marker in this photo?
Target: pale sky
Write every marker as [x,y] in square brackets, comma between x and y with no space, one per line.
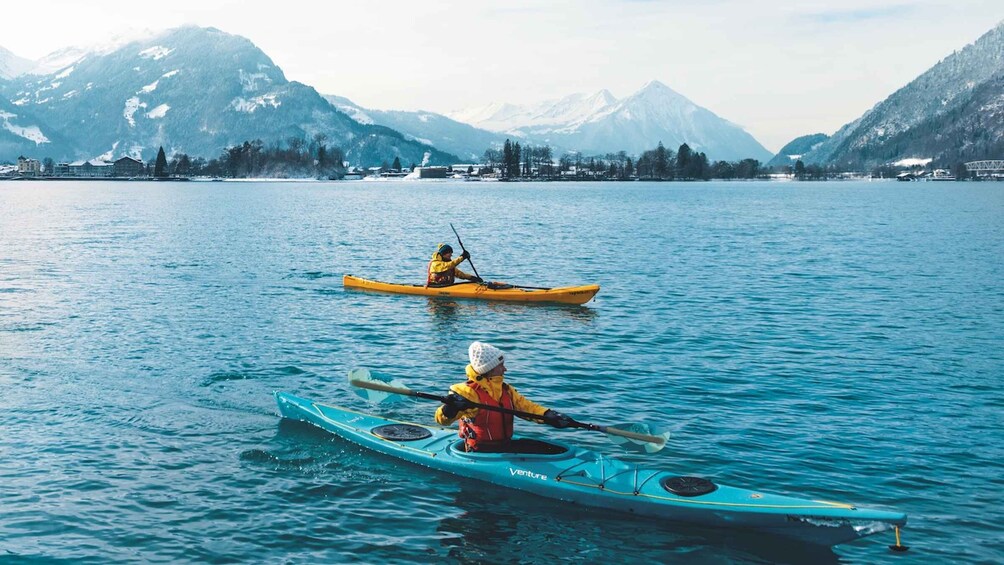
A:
[779,69]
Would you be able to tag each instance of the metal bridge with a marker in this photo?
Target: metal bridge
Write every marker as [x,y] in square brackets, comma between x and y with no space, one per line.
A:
[993,167]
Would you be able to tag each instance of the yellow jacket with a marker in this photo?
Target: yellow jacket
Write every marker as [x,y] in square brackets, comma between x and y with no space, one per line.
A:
[437,265]
[494,387]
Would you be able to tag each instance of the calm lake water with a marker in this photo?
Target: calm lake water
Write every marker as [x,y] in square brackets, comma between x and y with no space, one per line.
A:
[843,341]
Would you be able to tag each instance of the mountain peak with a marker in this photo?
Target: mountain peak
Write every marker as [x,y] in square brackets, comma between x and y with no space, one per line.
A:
[659,88]
[657,93]
[605,94]
[655,86]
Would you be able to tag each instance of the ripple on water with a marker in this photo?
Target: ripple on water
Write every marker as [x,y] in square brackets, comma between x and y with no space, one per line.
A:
[807,339]
[240,375]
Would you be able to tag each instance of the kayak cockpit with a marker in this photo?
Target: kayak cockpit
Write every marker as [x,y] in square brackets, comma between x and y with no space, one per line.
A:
[518,448]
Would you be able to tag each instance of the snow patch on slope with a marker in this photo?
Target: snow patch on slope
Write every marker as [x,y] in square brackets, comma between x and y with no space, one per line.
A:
[158,112]
[252,81]
[31,133]
[913,162]
[57,60]
[348,107]
[108,155]
[132,105]
[156,52]
[249,106]
[65,72]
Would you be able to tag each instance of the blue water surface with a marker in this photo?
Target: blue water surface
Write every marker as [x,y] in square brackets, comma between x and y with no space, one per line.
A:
[841,341]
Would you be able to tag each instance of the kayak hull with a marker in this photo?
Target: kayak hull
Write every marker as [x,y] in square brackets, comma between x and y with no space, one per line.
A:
[563,295]
[588,478]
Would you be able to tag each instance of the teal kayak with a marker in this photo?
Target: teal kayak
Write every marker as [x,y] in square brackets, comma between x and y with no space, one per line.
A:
[578,475]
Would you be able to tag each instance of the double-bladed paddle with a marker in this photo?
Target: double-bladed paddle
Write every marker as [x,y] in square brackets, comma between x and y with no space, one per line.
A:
[462,248]
[499,285]
[636,436]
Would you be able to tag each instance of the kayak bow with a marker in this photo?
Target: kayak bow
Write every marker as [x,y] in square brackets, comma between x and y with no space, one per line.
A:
[481,291]
[588,478]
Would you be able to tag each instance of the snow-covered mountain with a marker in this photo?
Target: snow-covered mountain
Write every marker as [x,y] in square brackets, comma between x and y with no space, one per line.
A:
[796,149]
[430,128]
[11,65]
[543,116]
[601,123]
[192,90]
[925,118]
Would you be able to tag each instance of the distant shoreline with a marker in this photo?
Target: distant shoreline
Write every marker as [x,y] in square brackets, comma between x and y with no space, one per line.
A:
[112,179]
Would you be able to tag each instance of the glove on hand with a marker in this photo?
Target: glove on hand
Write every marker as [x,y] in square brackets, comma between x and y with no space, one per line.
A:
[556,419]
[465,254]
[454,404]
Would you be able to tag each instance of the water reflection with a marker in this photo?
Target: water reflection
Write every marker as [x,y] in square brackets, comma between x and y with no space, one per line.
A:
[446,312]
[499,527]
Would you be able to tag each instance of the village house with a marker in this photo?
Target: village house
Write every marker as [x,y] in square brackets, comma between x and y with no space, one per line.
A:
[28,167]
[127,167]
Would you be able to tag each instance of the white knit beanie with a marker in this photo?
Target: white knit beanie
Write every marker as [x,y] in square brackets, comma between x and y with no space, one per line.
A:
[484,357]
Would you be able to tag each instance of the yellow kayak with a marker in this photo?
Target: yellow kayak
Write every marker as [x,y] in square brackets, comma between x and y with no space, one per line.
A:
[482,291]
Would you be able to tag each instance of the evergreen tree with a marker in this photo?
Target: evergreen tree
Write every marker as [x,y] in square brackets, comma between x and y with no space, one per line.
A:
[701,169]
[322,157]
[516,158]
[661,162]
[506,158]
[723,170]
[160,167]
[683,165]
[960,171]
[184,167]
[396,165]
[799,170]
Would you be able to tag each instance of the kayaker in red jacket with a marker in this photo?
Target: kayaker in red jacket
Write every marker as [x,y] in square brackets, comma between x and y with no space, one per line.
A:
[443,269]
[488,431]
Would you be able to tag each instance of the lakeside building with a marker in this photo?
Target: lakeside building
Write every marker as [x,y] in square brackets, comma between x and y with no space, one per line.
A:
[95,168]
[91,169]
[128,167]
[28,167]
[471,169]
[432,172]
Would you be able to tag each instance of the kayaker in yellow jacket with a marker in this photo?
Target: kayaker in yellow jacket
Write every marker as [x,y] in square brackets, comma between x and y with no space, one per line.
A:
[443,267]
[487,430]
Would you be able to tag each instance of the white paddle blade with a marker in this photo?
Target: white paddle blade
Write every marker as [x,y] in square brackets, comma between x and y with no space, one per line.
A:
[640,445]
[362,374]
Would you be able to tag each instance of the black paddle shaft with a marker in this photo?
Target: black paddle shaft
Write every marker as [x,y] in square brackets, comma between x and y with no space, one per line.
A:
[462,248]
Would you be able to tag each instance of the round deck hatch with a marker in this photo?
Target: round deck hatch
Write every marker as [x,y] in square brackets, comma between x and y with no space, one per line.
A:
[688,486]
[401,432]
